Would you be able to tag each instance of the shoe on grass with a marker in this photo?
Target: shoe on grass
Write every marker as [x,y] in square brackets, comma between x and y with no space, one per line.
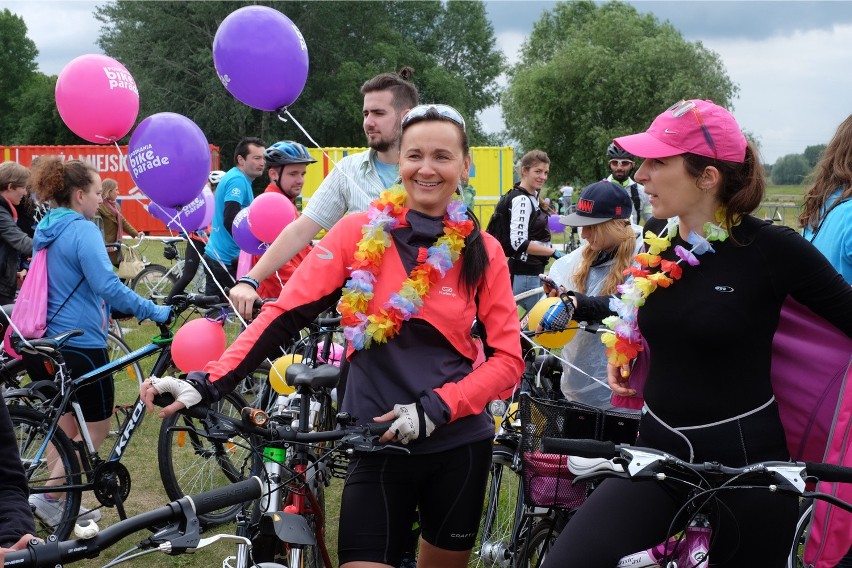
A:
[49,510]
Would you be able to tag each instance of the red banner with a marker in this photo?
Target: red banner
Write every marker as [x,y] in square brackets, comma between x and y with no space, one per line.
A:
[111,162]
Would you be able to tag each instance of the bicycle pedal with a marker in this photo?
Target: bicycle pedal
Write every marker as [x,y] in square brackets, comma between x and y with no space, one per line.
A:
[337,465]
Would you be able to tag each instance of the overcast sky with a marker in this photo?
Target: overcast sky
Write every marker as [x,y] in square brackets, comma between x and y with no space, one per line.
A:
[791,60]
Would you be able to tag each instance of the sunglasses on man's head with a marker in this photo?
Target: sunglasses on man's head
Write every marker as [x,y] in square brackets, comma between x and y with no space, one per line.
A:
[446,111]
[621,163]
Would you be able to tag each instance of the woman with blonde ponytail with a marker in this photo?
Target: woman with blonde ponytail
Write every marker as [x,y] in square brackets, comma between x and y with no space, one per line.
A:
[595,269]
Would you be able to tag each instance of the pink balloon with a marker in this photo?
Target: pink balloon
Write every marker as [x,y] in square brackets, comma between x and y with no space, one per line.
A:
[210,200]
[335,355]
[268,214]
[197,343]
[554,225]
[243,235]
[97,98]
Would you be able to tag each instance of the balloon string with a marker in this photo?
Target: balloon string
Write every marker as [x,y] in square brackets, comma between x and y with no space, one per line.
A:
[352,180]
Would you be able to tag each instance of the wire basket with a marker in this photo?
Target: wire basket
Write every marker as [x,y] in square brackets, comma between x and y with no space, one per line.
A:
[547,480]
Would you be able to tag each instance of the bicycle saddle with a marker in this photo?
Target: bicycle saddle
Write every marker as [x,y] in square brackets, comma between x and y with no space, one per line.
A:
[45,344]
[324,376]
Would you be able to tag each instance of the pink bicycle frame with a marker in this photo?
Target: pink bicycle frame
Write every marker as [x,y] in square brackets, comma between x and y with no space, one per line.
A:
[691,550]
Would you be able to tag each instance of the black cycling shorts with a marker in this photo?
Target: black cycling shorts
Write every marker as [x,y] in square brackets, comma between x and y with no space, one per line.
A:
[96,399]
[383,491]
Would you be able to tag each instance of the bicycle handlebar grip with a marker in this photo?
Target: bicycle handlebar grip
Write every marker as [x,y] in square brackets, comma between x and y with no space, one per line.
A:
[165,399]
[240,492]
[203,301]
[829,472]
[579,448]
[378,428]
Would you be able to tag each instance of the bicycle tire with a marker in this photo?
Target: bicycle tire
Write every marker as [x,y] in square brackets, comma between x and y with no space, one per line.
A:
[154,282]
[190,463]
[535,547]
[803,527]
[503,512]
[29,427]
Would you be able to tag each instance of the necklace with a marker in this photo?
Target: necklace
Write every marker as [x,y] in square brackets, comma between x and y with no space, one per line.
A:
[385,214]
[624,344]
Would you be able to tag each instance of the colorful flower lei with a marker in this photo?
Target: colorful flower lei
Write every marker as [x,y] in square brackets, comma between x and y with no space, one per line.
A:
[385,214]
[624,345]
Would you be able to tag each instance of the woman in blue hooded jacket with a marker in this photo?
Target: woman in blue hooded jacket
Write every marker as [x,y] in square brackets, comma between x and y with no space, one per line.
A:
[82,288]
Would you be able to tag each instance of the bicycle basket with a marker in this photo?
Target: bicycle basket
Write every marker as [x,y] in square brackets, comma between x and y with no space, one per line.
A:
[547,480]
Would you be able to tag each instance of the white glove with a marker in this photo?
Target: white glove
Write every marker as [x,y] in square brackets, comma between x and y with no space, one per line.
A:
[183,392]
[411,423]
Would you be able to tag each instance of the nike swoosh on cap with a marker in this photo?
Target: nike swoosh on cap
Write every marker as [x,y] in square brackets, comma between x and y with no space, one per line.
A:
[667,131]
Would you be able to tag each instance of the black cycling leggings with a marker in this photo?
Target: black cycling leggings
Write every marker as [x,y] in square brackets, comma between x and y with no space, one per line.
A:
[191,262]
[750,527]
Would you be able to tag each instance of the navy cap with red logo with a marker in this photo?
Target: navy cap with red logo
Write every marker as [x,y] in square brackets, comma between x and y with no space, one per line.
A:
[599,202]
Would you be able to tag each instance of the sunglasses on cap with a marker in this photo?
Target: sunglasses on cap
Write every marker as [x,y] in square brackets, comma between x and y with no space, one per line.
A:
[621,163]
[445,111]
[683,107]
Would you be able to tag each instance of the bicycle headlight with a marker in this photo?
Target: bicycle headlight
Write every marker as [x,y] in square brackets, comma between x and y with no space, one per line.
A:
[497,407]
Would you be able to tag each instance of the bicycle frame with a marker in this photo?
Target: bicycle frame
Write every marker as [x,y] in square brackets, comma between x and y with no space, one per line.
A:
[88,454]
[690,550]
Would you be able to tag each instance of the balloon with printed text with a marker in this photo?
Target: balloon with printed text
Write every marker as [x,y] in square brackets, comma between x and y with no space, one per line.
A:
[169,159]
[97,98]
[196,343]
[243,236]
[261,57]
[268,214]
[191,217]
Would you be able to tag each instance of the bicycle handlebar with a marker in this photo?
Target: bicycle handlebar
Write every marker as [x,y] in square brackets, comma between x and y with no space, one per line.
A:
[273,432]
[609,450]
[56,553]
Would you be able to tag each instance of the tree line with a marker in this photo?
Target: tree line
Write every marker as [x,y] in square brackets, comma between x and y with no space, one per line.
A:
[586,74]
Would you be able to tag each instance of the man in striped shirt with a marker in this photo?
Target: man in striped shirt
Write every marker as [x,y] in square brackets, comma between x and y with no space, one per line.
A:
[355,182]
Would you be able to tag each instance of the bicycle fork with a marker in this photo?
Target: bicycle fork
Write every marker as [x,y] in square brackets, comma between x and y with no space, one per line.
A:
[690,551]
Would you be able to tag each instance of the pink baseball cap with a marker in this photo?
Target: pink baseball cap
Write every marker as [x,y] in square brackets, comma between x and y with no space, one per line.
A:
[694,126]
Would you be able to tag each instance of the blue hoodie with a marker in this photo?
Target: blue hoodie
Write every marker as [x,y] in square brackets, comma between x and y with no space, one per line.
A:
[79,257]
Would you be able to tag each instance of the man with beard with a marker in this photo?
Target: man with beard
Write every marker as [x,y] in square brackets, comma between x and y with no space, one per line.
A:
[354,183]
[621,164]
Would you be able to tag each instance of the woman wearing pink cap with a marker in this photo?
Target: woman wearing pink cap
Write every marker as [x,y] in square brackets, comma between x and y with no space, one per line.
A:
[706,297]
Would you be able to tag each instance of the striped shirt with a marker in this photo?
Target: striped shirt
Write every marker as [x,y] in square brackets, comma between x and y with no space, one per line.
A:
[350,187]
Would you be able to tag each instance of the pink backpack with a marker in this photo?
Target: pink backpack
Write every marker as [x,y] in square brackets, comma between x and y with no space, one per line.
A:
[30,313]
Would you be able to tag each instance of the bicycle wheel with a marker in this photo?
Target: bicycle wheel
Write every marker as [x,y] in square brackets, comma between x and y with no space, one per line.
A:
[534,549]
[154,282]
[57,466]
[129,379]
[190,463]
[803,528]
[503,512]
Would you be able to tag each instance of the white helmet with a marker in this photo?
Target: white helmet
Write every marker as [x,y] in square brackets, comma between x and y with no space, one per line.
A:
[215,177]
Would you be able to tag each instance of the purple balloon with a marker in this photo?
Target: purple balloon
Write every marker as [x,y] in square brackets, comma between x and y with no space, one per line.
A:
[554,225]
[169,159]
[243,236]
[261,57]
[190,217]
